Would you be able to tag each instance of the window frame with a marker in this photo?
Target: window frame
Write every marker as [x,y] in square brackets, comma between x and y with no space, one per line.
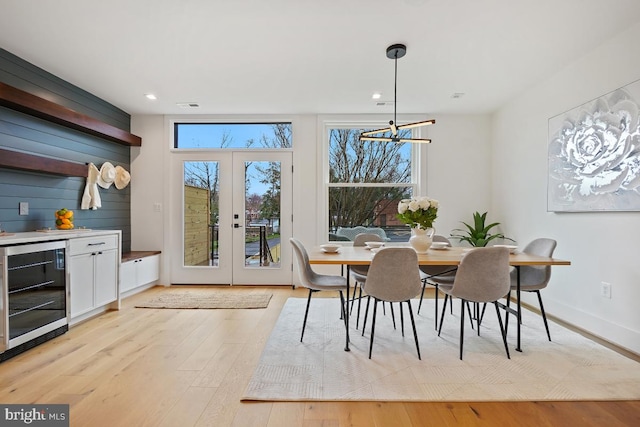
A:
[418,160]
[173,121]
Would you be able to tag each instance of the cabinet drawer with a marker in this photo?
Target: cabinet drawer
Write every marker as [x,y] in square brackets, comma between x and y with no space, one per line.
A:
[91,244]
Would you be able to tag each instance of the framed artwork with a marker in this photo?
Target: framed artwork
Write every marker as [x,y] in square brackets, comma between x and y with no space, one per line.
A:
[594,155]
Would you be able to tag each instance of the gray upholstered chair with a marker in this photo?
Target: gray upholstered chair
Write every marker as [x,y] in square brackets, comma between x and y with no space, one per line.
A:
[359,272]
[318,282]
[482,277]
[393,277]
[534,278]
[444,273]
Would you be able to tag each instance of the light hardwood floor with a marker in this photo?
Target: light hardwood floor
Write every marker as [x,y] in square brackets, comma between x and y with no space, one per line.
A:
[155,367]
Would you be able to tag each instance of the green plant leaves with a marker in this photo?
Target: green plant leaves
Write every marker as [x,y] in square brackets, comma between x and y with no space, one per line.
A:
[479,234]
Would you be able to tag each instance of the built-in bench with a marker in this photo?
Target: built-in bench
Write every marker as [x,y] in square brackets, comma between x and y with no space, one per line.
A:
[139,270]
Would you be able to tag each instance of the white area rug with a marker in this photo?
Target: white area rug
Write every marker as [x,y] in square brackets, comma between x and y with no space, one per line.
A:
[570,367]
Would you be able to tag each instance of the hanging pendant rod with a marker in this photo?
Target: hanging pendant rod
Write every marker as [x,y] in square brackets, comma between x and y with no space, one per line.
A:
[395,52]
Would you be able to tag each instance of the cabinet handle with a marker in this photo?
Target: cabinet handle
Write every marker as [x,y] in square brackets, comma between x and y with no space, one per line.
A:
[96,244]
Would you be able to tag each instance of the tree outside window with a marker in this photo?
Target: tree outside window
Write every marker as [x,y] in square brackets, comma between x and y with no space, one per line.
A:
[366,181]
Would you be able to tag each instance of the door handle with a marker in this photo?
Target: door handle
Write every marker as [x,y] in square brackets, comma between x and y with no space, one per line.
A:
[236,226]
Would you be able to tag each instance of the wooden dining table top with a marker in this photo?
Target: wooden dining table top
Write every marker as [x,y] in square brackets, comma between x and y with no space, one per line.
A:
[361,255]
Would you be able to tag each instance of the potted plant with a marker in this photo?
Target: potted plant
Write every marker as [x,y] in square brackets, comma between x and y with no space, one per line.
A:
[479,234]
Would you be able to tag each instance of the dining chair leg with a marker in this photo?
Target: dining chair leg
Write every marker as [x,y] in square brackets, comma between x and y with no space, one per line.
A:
[463,303]
[366,313]
[502,330]
[306,313]
[359,301]
[353,298]
[544,316]
[401,318]
[506,319]
[413,324]
[444,309]
[424,285]
[373,325]
[393,317]
[344,307]
[435,317]
[481,316]
[470,316]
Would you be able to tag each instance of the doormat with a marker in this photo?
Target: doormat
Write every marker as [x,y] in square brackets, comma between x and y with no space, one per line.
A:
[205,299]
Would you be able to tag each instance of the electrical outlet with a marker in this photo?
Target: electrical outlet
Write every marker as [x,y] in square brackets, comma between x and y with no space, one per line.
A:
[23,208]
[605,290]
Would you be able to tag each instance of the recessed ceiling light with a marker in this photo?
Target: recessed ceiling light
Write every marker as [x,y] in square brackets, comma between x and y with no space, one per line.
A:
[150,96]
[376,95]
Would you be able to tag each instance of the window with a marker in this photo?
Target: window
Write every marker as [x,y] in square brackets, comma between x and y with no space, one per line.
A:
[365,182]
[232,135]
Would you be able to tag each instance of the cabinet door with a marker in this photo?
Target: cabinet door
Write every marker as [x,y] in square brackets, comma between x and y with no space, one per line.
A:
[128,275]
[148,269]
[81,283]
[106,277]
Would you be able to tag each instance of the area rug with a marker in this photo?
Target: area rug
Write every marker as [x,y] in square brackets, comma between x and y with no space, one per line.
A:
[571,367]
[206,299]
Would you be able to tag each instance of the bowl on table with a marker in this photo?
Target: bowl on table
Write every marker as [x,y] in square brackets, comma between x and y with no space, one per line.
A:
[330,248]
[512,248]
[439,245]
[374,245]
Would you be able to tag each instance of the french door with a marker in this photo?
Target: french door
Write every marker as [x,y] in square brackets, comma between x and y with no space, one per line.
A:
[230,217]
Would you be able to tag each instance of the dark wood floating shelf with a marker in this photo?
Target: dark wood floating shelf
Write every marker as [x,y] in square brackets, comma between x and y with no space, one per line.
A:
[25,102]
[29,162]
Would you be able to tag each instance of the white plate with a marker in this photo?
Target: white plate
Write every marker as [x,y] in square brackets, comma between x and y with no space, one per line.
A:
[372,245]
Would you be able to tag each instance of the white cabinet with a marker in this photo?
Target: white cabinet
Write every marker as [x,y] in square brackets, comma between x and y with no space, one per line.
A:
[93,272]
[139,271]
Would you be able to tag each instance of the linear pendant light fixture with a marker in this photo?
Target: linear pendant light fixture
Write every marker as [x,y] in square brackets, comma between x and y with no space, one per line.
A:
[395,52]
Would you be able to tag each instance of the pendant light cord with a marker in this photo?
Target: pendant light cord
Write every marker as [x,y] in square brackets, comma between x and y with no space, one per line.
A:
[395,89]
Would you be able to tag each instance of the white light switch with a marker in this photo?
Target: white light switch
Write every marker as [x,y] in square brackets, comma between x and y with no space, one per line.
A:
[24,208]
[157,207]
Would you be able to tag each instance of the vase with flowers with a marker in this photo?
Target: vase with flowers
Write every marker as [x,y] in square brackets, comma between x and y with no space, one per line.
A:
[419,213]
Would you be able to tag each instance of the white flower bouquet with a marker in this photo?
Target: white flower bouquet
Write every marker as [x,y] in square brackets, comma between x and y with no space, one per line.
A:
[418,212]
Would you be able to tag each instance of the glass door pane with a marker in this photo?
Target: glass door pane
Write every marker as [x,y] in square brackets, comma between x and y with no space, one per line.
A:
[262,214]
[201,213]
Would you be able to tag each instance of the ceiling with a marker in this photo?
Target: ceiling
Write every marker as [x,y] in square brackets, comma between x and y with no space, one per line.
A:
[306,56]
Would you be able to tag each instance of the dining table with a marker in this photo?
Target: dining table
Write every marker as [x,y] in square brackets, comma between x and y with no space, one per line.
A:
[348,255]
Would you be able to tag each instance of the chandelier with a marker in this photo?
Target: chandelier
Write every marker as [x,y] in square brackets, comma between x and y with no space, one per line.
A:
[395,52]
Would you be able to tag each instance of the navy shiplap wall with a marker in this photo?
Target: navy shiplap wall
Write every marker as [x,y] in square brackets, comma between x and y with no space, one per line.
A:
[46,193]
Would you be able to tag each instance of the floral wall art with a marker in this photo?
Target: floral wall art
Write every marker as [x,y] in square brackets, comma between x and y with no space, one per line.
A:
[594,154]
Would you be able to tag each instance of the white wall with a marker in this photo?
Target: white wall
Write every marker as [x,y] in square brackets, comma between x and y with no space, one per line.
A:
[601,246]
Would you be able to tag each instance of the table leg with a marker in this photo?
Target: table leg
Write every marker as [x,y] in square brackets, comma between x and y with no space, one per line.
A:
[346,313]
[519,318]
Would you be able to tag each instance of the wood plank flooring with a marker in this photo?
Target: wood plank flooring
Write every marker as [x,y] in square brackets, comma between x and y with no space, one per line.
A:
[159,367]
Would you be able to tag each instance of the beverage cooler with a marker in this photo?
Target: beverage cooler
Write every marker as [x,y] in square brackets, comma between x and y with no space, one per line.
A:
[33,295]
